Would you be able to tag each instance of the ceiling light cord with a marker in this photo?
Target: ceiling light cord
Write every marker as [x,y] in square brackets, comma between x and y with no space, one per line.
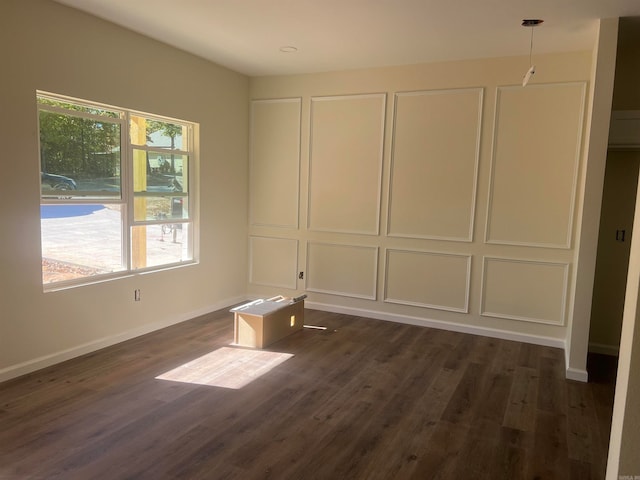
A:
[532,69]
[531,49]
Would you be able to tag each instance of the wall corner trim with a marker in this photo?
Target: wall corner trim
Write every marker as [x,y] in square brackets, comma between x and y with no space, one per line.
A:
[577,374]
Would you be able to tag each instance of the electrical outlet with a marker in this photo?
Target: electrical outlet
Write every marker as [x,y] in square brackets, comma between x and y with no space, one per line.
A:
[301,275]
[136,294]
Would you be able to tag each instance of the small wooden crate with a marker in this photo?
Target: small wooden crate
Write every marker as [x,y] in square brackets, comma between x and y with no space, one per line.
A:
[262,322]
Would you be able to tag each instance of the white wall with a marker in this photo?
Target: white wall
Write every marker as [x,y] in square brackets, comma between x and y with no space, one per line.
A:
[442,194]
[46,46]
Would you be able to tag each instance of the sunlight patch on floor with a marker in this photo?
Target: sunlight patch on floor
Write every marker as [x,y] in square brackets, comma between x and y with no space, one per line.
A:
[226,367]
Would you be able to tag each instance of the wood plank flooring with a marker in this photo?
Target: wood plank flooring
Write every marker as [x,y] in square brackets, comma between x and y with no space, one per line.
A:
[363,399]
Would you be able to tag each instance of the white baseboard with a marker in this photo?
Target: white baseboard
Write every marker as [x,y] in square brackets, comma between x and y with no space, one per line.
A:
[577,374]
[570,373]
[612,350]
[455,327]
[48,360]
[61,356]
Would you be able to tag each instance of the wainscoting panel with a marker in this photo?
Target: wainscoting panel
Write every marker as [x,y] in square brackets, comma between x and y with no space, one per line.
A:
[428,279]
[526,290]
[275,162]
[273,261]
[347,137]
[536,152]
[436,143]
[347,270]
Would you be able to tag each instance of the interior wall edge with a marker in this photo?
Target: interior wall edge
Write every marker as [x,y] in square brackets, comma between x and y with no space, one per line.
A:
[587,213]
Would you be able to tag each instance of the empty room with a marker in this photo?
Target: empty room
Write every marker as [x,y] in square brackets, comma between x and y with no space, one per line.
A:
[440,197]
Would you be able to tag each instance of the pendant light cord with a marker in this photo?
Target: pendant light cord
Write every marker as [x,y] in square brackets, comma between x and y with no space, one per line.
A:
[531,48]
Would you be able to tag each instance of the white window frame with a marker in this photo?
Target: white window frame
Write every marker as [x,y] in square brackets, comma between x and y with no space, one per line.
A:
[126,198]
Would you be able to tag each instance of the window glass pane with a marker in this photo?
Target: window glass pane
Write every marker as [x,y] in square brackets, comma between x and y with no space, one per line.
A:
[154,245]
[160,208]
[159,173]
[80,241]
[68,105]
[79,156]
[157,134]
[94,175]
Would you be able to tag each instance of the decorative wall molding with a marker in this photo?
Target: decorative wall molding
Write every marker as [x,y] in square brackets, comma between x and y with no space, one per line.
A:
[342,269]
[429,282]
[346,145]
[536,191]
[498,296]
[430,168]
[275,200]
[276,264]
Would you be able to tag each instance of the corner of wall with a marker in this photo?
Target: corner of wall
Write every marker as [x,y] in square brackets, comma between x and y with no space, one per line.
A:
[592,180]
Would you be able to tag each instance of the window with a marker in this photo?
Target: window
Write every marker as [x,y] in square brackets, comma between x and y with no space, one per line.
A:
[116,192]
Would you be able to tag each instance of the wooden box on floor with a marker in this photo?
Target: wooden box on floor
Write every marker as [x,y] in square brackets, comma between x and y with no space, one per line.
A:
[263,322]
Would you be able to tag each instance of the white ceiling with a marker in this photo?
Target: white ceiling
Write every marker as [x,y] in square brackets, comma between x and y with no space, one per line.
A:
[246,35]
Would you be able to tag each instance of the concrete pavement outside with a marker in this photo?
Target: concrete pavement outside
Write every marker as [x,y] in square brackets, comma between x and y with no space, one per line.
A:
[83,240]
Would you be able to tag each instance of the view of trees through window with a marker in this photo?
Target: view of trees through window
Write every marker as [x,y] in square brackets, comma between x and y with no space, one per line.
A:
[77,146]
[114,190]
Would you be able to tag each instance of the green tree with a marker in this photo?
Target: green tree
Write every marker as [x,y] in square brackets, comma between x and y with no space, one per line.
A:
[169,130]
[76,146]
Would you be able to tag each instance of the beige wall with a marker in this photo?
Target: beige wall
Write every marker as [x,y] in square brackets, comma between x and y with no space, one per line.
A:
[625,424]
[441,194]
[626,94]
[625,428]
[590,197]
[385,268]
[627,97]
[46,46]
[612,263]
[630,438]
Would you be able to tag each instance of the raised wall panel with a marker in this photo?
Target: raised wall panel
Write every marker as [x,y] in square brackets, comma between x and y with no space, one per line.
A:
[346,163]
[524,290]
[428,279]
[348,270]
[273,261]
[436,140]
[275,162]
[536,150]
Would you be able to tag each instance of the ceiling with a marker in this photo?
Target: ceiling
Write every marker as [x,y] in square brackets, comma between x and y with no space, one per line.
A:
[246,35]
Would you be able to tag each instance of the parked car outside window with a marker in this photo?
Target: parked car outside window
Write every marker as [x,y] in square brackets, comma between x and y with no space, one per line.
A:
[57,182]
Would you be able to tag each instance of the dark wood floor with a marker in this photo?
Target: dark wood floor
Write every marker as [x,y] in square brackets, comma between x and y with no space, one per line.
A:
[364,399]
